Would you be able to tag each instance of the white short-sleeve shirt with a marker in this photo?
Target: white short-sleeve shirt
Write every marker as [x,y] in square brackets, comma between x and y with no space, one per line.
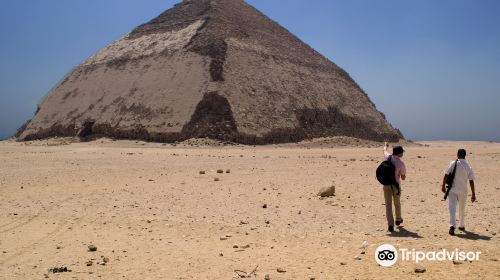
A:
[463,174]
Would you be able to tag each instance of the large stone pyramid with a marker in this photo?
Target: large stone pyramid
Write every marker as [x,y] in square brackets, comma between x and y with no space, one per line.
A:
[209,68]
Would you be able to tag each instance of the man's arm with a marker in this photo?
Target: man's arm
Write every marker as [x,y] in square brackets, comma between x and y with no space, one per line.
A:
[447,172]
[472,187]
[403,171]
[386,154]
[443,186]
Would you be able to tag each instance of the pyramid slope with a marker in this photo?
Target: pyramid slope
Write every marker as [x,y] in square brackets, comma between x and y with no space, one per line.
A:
[209,68]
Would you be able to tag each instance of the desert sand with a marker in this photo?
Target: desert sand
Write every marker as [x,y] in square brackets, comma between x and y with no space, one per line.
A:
[152,215]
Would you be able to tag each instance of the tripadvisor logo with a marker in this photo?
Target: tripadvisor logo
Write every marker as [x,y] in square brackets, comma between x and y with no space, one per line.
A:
[387,255]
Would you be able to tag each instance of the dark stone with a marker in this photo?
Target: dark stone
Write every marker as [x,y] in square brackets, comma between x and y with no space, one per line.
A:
[86,129]
[213,118]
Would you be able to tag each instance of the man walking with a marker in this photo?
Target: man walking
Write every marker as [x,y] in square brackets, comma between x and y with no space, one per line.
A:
[392,191]
[458,191]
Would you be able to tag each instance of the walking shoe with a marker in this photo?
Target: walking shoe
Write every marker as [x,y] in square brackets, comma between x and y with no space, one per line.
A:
[461,228]
[452,230]
[391,228]
[399,222]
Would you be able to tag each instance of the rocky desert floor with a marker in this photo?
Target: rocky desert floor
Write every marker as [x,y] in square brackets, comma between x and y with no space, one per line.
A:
[150,213]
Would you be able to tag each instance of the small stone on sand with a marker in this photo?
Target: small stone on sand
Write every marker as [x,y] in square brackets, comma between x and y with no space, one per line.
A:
[420,269]
[327,191]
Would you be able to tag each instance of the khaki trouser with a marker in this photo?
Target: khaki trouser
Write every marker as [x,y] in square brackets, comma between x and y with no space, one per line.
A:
[390,193]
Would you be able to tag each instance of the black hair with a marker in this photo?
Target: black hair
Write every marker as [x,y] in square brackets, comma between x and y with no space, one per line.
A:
[461,153]
[397,150]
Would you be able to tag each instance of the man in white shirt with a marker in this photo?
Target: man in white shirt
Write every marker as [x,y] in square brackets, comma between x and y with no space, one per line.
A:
[458,191]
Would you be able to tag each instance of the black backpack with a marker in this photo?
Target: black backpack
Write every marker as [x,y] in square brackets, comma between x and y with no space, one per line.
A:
[386,173]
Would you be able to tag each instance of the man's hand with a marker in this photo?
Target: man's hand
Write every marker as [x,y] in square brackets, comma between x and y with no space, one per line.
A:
[443,189]
[473,189]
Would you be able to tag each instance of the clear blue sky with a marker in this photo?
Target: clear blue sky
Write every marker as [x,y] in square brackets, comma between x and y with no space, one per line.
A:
[432,66]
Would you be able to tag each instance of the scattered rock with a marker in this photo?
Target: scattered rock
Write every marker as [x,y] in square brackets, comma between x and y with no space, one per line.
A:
[228,171]
[59,270]
[220,171]
[105,259]
[420,269]
[267,277]
[343,263]
[235,246]
[92,248]
[327,191]
[264,205]
[223,238]
[280,270]
[457,262]
[216,179]
[243,274]
[358,258]
[202,172]
[89,263]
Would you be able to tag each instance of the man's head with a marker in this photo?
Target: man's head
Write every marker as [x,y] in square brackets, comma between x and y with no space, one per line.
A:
[398,151]
[461,153]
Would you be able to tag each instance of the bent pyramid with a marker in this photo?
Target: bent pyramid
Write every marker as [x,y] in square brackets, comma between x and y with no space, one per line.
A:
[209,68]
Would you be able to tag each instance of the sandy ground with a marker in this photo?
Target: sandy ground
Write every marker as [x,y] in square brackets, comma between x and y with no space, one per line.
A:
[150,212]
